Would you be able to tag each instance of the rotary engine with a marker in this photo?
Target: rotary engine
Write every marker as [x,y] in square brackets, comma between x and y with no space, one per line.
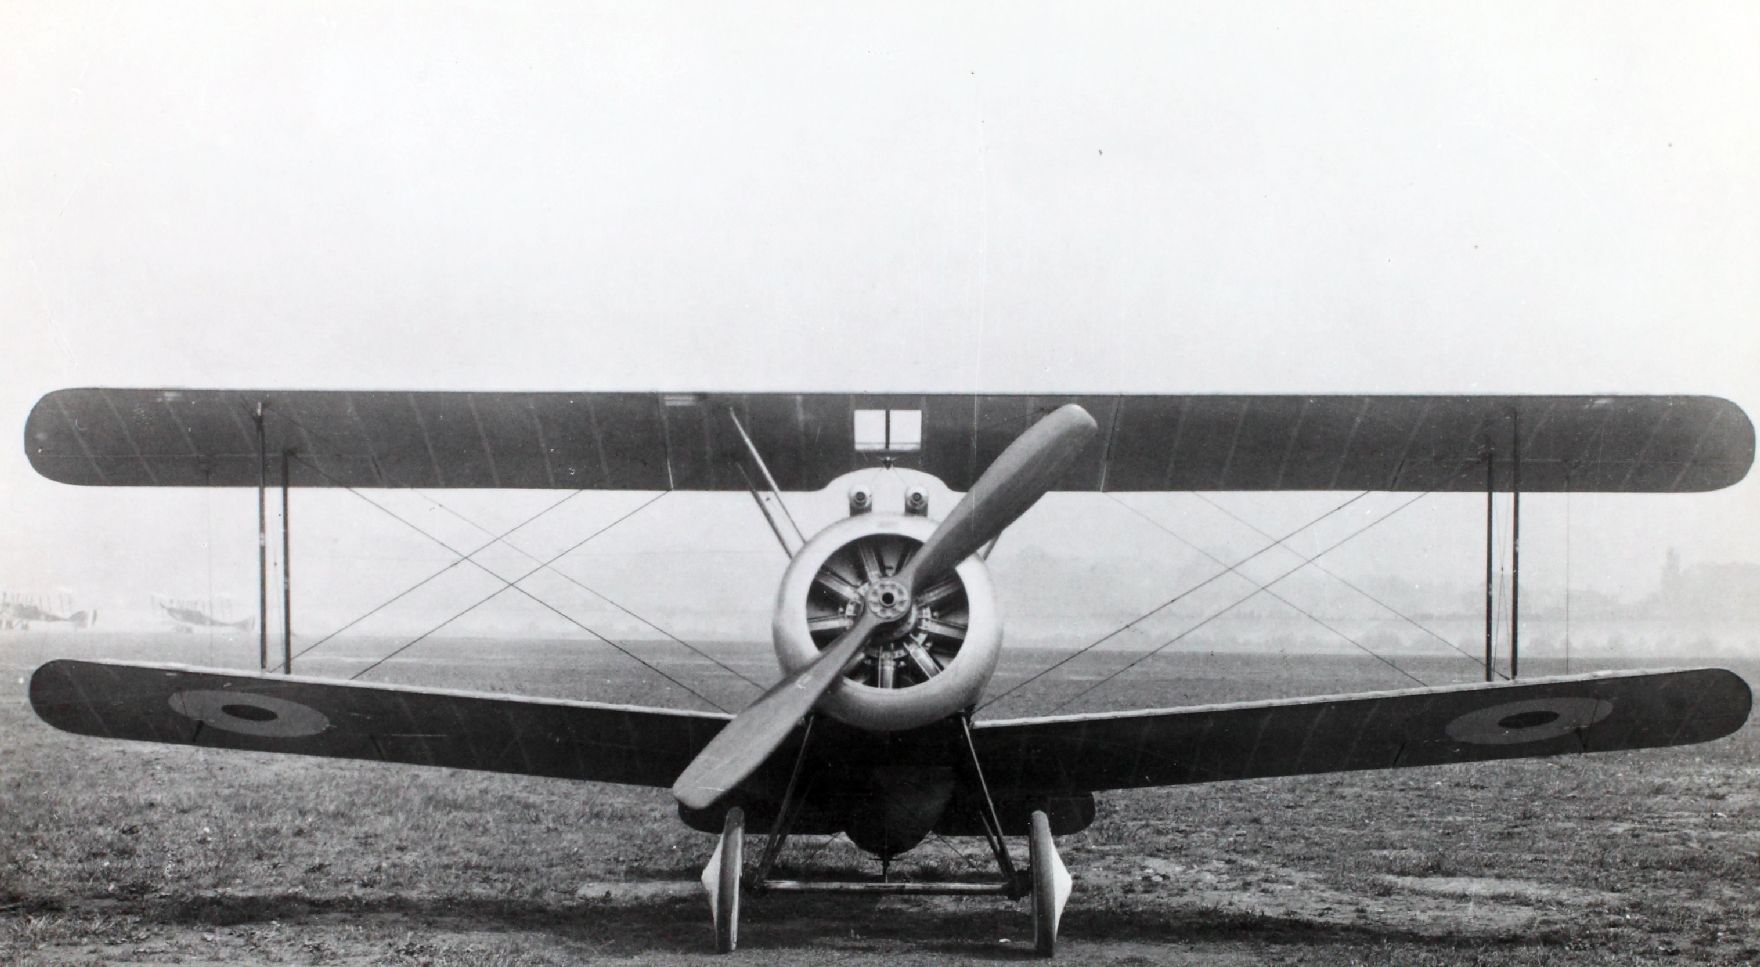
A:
[938,651]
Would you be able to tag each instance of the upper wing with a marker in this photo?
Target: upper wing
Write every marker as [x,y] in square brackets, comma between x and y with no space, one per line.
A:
[688,441]
[276,713]
[1383,730]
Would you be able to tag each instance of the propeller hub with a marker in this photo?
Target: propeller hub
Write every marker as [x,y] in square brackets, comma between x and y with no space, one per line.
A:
[887,599]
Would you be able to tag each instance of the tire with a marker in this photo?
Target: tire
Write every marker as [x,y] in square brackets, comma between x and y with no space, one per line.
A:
[733,834]
[1042,857]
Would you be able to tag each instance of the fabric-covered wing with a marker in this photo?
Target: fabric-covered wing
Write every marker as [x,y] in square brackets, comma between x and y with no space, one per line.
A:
[689,441]
[271,713]
[1384,730]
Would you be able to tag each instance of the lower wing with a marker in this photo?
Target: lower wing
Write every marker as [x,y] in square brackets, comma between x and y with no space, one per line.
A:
[387,723]
[1078,753]
[1379,730]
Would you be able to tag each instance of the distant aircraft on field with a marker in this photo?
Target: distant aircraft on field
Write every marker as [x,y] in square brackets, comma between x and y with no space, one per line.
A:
[21,609]
[188,614]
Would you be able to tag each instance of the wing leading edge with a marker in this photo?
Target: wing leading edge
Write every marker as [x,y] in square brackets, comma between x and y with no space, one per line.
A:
[1385,730]
[386,723]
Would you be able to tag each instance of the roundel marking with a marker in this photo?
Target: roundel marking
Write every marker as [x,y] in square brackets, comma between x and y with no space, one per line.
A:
[1530,720]
[249,714]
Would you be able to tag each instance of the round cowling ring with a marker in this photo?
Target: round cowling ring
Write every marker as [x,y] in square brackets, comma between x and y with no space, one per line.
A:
[957,685]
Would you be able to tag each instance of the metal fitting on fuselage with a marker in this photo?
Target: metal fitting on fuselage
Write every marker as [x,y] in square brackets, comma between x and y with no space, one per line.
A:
[916,502]
[861,500]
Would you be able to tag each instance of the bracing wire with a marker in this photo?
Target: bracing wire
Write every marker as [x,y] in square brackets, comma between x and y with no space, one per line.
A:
[549,565]
[430,578]
[1323,569]
[513,585]
[958,853]
[1170,602]
[516,548]
[823,844]
[1266,588]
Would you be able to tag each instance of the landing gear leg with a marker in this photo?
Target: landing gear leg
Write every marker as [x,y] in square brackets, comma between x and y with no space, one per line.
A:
[1047,882]
[721,879]
[785,814]
[1011,880]
[1051,885]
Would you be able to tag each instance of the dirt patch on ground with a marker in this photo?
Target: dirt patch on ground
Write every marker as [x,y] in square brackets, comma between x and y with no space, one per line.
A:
[1503,888]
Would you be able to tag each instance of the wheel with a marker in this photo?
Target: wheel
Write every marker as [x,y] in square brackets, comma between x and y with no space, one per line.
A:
[1051,885]
[721,879]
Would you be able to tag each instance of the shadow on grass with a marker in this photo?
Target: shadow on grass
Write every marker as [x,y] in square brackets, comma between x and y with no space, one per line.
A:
[679,923]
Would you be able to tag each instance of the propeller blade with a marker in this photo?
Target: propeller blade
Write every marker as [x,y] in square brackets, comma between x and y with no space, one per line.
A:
[1016,481]
[1011,485]
[740,748]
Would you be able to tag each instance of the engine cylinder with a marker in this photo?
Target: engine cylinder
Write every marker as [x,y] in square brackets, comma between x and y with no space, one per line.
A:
[930,663]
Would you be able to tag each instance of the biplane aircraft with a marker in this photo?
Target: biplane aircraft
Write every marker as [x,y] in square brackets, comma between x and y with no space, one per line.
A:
[23,609]
[885,624]
[185,615]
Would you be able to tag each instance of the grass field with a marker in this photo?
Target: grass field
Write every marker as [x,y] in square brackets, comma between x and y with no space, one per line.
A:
[117,852]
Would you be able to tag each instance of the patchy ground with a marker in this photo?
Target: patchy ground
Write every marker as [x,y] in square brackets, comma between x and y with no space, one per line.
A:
[122,853]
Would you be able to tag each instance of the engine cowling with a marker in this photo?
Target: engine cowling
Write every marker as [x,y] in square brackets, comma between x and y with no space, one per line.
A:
[931,663]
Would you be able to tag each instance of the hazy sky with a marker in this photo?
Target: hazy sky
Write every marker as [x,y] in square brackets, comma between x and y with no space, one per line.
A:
[1380,197]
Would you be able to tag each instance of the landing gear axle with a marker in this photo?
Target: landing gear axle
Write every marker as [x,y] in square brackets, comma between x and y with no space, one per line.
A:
[1049,884]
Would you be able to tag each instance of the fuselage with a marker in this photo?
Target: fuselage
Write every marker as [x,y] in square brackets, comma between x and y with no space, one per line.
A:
[887,790]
